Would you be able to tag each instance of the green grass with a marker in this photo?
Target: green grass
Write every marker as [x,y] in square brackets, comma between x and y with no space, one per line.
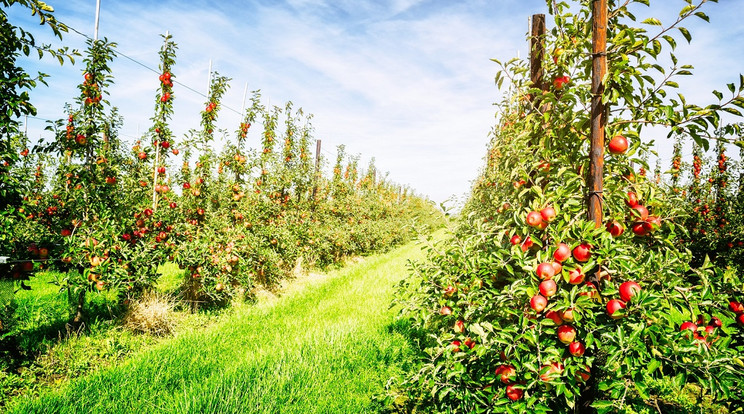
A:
[327,348]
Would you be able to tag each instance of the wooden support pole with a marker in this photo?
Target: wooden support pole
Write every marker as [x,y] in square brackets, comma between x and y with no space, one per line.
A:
[537,50]
[317,168]
[599,111]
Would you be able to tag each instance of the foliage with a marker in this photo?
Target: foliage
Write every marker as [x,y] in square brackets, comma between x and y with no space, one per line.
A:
[487,343]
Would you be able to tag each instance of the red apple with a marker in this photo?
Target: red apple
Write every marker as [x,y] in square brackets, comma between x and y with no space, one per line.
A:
[515,239]
[628,290]
[552,371]
[562,253]
[534,219]
[545,270]
[688,326]
[554,316]
[740,319]
[557,267]
[582,252]
[736,307]
[566,334]
[568,315]
[576,276]
[583,374]
[640,211]
[640,229]
[527,244]
[538,303]
[445,310]
[613,306]
[632,200]
[560,81]
[548,287]
[576,348]
[615,228]
[715,322]
[618,144]
[450,290]
[507,373]
[513,393]
[548,214]
[142,155]
[459,327]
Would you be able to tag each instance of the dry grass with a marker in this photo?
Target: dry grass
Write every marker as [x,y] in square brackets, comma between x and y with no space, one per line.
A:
[151,314]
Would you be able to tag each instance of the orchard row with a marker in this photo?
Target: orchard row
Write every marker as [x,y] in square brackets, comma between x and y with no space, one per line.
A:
[108,214]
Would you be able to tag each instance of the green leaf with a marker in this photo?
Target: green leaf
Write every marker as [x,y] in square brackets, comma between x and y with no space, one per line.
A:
[652,21]
[731,87]
[703,16]
[732,111]
[686,34]
[718,95]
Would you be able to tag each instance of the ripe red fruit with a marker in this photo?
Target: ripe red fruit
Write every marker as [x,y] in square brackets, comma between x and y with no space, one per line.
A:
[566,334]
[469,342]
[527,244]
[456,346]
[538,303]
[142,155]
[161,170]
[615,228]
[173,205]
[576,276]
[715,322]
[459,327]
[628,290]
[562,253]
[560,81]
[515,239]
[65,232]
[640,229]
[640,211]
[740,319]
[554,316]
[513,393]
[445,310]
[548,287]
[736,307]
[632,200]
[548,214]
[583,374]
[568,315]
[654,222]
[552,371]
[186,186]
[24,152]
[618,144]
[450,290]
[507,373]
[613,306]
[582,252]
[545,271]
[576,348]
[557,267]
[165,144]
[688,326]
[175,151]
[534,219]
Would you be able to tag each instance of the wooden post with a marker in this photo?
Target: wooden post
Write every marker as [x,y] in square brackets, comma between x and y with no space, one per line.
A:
[537,50]
[317,168]
[599,111]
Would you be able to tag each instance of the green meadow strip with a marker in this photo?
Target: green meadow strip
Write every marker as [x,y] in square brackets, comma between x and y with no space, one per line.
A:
[327,348]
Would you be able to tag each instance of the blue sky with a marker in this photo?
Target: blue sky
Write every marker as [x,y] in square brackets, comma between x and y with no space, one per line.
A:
[408,82]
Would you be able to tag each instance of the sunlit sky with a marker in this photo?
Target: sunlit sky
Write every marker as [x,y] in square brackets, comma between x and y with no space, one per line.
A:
[409,82]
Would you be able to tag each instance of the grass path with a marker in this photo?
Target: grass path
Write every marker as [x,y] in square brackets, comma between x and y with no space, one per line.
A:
[325,348]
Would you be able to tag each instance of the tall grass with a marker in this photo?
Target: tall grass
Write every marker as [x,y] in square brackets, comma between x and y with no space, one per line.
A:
[328,348]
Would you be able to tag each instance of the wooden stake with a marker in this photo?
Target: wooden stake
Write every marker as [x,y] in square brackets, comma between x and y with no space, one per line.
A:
[537,50]
[317,168]
[599,111]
